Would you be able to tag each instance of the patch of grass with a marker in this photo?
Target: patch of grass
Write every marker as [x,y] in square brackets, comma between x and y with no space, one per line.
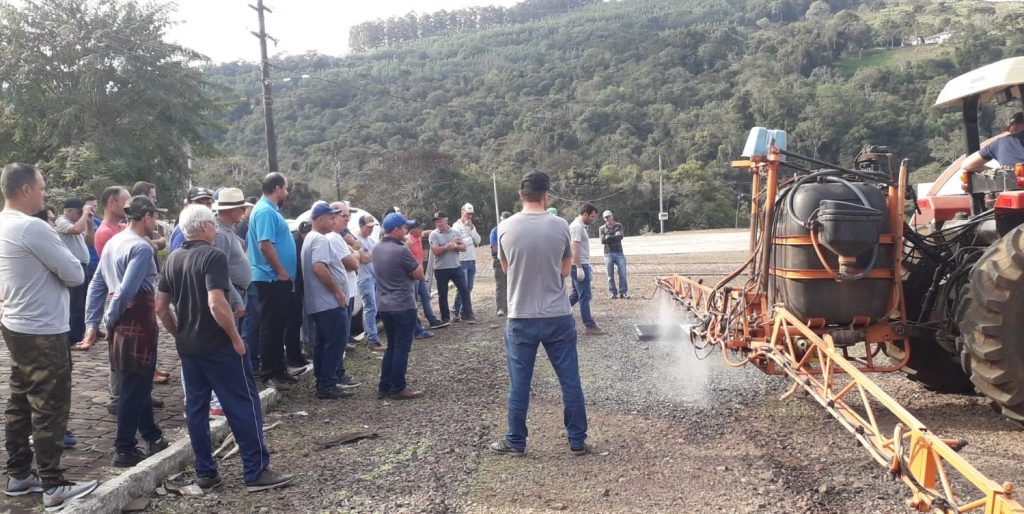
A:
[883,57]
[388,462]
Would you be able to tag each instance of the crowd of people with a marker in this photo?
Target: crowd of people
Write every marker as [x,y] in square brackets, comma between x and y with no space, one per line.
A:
[247,300]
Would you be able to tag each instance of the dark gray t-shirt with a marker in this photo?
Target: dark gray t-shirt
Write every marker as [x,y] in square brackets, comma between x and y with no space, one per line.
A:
[392,263]
[534,244]
[450,259]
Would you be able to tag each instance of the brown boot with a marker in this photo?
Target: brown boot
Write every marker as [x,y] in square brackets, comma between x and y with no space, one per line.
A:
[594,331]
[406,394]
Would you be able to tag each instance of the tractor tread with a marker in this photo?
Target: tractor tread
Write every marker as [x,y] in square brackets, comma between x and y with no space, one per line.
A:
[992,341]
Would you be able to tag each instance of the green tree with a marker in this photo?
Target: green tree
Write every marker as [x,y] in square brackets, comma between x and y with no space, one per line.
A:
[96,95]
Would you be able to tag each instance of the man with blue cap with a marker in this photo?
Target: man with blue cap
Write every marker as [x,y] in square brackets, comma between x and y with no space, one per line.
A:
[396,270]
[326,302]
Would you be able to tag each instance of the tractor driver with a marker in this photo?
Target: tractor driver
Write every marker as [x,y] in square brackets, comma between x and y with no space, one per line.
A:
[1007,150]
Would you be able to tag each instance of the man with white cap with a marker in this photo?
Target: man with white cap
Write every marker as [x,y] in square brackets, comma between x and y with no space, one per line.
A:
[465,230]
[367,283]
[611,237]
[230,207]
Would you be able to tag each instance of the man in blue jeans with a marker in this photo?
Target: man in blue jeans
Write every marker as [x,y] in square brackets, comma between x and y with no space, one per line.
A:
[466,231]
[367,283]
[581,272]
[611,237]
[395,270]
[325,287]
[536,254]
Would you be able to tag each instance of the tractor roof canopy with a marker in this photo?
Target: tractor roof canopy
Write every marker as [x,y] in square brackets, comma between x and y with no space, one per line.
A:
[986,82]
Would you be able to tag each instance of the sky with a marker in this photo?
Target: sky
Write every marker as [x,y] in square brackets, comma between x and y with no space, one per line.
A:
[220,28]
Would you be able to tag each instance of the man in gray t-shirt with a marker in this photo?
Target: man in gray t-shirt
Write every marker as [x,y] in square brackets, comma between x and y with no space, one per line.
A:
[76,229]
[580,272]
[535,251]
[325,300]
[445,245]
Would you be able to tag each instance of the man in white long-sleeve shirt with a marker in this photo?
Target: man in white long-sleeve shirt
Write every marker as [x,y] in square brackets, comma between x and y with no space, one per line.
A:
[37,270]
[465,230]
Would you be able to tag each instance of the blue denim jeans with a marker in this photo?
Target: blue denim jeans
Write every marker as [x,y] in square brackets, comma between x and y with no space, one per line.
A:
[331,334]
[135,410]
[558,335]
[443,276]
[581,294]
[423,293]
[398,327]
[367,290]
[469,272]
[613,260]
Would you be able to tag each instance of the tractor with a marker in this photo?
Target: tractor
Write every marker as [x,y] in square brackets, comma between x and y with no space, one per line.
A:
[851,273]
[964,267]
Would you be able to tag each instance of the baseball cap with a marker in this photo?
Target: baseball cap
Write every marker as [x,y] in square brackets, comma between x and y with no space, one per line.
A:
[440,214]
[139,206]
[552,211]
[197,193]
[74,203]
[230,198]
[1018,117]
[605,214]
[395,220]
[320,208]
[505,215]
[367,220]
[537,180]
[467,207]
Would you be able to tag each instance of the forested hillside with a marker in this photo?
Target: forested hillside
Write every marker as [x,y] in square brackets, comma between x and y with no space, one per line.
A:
[597,95]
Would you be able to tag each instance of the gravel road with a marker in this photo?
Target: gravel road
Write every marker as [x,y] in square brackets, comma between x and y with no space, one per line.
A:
[674,432]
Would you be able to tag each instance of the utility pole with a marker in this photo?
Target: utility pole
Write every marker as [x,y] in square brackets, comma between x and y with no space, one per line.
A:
[497,211]
[268,100]
[337,180]
[661,197]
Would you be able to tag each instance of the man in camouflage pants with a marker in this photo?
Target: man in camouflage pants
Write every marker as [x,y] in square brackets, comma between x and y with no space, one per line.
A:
[37,270]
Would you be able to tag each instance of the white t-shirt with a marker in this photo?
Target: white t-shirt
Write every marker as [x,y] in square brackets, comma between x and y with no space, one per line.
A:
[342,250]
[578,232]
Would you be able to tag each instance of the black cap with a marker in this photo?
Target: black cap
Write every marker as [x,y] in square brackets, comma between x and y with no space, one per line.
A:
[199,192]
[537,180]
[74,203]
[505,215]
[440,214]
[1018,117]
[138,207]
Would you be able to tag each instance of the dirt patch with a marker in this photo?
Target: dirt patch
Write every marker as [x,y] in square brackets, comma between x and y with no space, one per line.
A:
[675,431]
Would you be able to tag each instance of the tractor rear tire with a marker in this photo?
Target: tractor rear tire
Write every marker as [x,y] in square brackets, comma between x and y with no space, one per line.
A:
[930,365]
[991,320]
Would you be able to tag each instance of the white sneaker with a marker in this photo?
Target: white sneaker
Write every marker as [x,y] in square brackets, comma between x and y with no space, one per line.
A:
[56,498]
[27,485]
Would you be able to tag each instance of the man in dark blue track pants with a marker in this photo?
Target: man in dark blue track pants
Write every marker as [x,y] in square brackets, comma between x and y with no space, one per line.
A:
[195,280]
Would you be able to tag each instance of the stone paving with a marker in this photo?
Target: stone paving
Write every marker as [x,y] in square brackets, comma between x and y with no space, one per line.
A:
[93,426]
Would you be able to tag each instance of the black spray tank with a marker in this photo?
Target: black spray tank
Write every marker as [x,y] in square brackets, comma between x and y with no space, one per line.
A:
[800,283]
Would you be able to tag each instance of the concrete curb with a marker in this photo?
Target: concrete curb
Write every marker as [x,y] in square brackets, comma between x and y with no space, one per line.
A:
[140,481]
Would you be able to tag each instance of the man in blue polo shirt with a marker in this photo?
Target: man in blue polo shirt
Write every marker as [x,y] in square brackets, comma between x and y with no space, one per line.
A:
[271,251]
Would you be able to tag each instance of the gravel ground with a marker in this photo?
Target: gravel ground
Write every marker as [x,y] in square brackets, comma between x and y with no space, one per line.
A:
[673,432]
